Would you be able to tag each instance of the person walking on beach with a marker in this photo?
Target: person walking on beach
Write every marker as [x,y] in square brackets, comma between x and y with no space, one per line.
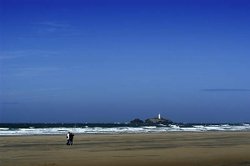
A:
[70,137]
[67,136]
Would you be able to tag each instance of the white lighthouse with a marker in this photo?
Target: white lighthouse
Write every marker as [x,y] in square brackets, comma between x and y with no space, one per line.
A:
[159,116]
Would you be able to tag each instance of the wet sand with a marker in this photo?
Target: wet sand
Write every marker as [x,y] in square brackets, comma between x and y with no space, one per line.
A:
[172,149]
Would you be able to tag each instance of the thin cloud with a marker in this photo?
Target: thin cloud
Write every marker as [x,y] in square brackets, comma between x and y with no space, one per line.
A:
[9,55]
[9,103]
[32,94]
[37,71]
[19,71]
[52,27]
[226,90]
[54,24]
[6,57]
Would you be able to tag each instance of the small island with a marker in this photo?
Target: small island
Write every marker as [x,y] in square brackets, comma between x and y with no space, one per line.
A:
[157,121]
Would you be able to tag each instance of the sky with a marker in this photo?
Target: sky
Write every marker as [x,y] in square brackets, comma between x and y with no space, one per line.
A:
[113,61]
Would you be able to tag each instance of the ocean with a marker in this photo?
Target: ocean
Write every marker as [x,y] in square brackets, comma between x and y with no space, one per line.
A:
[8,129]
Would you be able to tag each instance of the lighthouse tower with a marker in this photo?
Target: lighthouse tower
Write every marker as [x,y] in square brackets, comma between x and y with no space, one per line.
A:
[159,116]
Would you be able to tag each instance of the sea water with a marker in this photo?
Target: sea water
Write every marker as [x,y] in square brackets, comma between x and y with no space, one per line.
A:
[53,129]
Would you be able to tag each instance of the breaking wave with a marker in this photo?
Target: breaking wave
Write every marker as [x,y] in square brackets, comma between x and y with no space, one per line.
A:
[119,130]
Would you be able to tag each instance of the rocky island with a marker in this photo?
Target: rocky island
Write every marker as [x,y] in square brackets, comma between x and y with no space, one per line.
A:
[157,121]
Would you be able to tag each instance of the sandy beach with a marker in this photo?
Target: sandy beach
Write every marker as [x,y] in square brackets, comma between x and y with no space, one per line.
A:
[177,148]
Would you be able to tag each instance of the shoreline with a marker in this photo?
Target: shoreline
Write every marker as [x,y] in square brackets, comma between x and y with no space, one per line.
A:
[172,148]
[126,133]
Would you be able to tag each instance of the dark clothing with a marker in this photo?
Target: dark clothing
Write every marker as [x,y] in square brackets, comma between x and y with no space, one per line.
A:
[70,137]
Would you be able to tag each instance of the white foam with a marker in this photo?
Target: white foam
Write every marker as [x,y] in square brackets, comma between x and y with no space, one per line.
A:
[113,130]
[3,129]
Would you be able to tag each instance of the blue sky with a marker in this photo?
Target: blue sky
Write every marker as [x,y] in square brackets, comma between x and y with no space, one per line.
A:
[110,61]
